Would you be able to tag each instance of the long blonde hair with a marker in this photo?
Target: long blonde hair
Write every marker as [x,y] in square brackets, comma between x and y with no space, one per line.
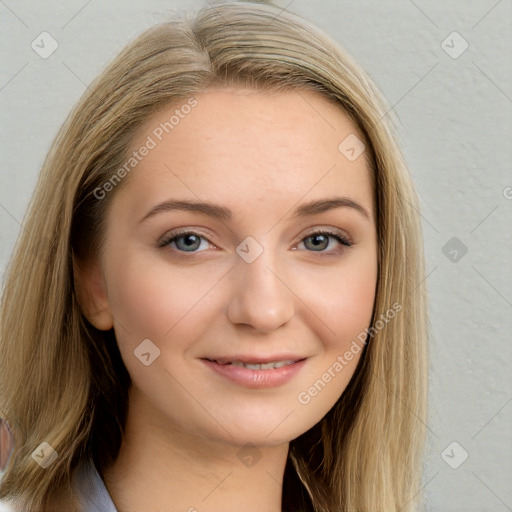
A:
[63,381]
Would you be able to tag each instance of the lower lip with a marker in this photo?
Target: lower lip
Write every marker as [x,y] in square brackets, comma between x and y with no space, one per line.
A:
[257,378]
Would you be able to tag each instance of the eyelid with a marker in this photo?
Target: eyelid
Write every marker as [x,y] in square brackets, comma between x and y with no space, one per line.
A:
[163,241]
[330,230]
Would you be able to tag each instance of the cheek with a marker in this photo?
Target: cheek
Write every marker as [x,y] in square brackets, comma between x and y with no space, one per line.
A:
[157,301]
[341,305]
[342,300]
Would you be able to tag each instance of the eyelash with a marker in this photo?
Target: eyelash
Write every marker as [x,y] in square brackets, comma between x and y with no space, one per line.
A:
[334,233]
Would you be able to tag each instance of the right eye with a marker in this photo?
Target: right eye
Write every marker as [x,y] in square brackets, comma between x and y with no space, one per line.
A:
[184,241]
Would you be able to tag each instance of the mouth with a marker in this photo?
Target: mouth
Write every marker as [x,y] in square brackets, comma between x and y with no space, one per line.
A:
[257,372]
[271,365]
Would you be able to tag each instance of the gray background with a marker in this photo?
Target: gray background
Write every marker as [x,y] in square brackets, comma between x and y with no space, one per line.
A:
[453,117]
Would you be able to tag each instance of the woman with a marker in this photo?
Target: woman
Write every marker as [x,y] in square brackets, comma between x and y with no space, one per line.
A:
[254,371]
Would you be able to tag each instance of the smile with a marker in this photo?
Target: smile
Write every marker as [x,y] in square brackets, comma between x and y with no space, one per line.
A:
[254,374]
[256,366]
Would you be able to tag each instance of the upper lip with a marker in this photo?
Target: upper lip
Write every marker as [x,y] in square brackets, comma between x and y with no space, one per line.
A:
[251,359]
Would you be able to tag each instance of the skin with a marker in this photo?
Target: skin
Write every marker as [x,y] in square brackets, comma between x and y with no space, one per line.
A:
[262,155]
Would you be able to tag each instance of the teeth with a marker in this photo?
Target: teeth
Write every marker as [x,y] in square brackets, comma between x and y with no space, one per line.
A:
[283,363]
[253,366]
[263,366]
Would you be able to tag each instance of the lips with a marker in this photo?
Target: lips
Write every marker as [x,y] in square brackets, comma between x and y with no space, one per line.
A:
[272,365]
[254,372]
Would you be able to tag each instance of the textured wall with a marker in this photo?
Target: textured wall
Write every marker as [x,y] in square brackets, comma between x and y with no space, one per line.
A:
[453,108]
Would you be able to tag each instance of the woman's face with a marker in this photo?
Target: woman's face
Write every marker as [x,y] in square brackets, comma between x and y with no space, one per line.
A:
[248,283]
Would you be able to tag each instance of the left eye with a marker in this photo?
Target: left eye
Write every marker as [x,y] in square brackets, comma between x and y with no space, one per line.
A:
[319,242]
[187,242]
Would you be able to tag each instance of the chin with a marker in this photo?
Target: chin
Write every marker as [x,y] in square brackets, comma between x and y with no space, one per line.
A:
[268,426]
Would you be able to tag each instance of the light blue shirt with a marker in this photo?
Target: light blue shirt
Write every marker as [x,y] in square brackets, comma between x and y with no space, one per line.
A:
[90,488]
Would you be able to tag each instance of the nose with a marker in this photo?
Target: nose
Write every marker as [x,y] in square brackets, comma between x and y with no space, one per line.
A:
[261,297]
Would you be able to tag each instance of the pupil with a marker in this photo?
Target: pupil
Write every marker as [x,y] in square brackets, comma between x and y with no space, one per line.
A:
[318,240]
[189,241]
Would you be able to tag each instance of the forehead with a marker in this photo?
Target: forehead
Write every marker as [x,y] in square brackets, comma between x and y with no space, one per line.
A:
[243,146]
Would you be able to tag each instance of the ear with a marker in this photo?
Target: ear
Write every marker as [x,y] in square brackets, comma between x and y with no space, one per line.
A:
[92,293]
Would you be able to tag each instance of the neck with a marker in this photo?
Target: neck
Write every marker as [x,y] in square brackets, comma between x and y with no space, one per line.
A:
[159,467]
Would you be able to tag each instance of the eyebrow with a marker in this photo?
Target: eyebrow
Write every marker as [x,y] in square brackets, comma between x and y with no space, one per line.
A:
[323,205]
[222,213]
